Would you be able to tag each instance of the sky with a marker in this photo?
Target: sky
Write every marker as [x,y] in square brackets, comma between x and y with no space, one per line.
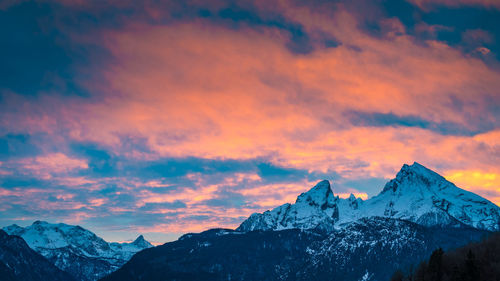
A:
[166,117]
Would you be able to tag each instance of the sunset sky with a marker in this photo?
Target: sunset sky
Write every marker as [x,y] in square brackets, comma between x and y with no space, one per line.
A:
[167,117]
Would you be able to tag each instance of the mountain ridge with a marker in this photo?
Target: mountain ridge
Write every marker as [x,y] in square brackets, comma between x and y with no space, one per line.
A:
[76,250]
[416,194]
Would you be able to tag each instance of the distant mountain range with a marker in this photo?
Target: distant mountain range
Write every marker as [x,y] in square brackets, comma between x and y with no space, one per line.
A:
[76,250]
[324,237]
[319,237]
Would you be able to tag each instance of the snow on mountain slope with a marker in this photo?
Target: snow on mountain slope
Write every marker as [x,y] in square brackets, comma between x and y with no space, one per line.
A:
[77,250]
[315,208]
[416,194]
[375,246]
[420,195]
[127,250]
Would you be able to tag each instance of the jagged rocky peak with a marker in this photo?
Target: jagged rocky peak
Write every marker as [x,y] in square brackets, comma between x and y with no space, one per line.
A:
[320,195]
[354,202]
[416,175]
[139,239]
[141,242]
[316,208]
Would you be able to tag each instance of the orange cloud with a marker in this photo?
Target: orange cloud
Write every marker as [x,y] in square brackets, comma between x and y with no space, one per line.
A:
[194,89]
[486,184]
[210,92]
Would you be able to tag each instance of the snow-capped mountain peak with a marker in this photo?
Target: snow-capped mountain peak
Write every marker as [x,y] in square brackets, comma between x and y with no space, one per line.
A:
[66,245]
[420,195]
[417,194]
[416,174]
[316,208]
[129,249]
[141,242]
[52,236]
[320,195]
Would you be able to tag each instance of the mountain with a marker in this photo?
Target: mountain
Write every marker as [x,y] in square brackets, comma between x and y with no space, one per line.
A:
[18,262]
[317,208]
[371,247]
[416,194]
[76,250]
[324,237]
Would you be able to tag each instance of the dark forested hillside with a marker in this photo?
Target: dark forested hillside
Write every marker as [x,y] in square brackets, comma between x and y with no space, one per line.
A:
[474,262]
[369,248]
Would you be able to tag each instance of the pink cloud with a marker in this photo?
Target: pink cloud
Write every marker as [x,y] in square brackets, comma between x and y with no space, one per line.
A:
[35,199]
[47,166]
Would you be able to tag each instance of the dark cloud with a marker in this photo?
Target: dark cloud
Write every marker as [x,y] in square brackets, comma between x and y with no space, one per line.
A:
[235,15]
[178,167]
[165,205]
[35,52]
[17,145]
[100,161]
[227,199]
[268,171]
[376,119]
[40,55]
[23,181]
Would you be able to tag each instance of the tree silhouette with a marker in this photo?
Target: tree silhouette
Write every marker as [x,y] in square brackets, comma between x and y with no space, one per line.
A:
[471,267]
[398,276]
[474,262]
[435,267]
